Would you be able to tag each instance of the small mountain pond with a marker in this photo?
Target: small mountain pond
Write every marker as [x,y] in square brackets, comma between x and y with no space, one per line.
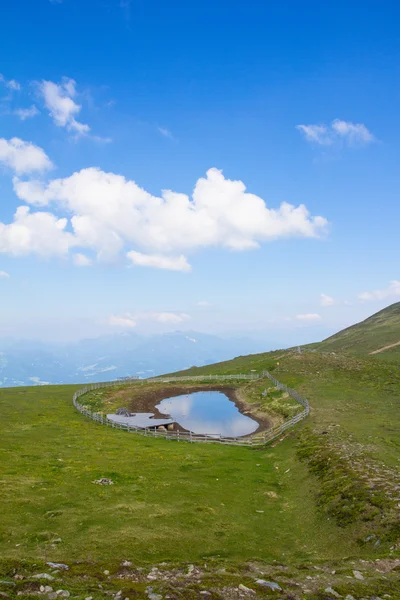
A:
[209,412]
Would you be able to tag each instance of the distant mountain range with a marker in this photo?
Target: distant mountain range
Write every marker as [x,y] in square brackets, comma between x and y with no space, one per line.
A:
[114,356]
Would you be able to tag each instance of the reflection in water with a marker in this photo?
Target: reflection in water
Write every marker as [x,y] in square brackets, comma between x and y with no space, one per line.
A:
[207,412]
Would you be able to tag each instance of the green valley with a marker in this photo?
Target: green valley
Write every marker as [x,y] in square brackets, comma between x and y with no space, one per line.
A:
[306,512]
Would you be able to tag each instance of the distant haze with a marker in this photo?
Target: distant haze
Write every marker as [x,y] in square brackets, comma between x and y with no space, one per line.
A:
[113,356]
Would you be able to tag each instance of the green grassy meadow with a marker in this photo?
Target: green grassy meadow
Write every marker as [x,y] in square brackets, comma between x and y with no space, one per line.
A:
[323,495]
[204,498]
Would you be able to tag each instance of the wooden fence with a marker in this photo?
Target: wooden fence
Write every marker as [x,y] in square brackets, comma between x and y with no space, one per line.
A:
[257,439]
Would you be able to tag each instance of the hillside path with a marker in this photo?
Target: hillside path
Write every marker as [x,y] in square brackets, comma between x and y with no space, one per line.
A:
[385,348]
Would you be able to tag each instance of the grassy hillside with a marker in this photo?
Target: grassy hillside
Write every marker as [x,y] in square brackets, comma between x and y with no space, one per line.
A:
[372,335]
[304,512]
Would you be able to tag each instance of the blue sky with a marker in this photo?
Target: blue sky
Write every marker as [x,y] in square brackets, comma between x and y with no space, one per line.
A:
[103,105]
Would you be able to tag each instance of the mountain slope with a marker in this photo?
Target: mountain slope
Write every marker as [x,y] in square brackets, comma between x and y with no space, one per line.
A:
[378,335]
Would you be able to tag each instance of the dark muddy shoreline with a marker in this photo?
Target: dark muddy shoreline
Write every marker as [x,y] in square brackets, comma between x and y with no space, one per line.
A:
[147,400]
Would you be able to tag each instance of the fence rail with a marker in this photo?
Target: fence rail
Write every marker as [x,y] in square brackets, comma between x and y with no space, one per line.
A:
[249,376]
[257,439]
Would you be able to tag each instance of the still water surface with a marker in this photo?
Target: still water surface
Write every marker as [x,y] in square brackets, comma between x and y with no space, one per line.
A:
[207,412]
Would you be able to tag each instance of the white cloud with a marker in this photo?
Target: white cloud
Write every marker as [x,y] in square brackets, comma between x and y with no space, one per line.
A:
[26,113]
[165,317]
[125,321]
[309,318]
[316,133]
[327,300]
[172,263]
[4,275]
[110,214]
[11,84]
[131,320]
[355,133]
[81,260]
[165,132]
[392,291]
[203,303]
[39,233]
[352,134]
[23,157]
[58,99]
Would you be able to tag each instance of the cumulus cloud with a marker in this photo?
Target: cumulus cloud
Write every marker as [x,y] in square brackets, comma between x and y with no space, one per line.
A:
[23,157]
[327,300]
[11,84]
[4,275]
[26,113]
[40,233]
[352,134]
[131,320]
[110,214]
[81,260]
[59,101]
[391,291]
[157,261]
[309,318]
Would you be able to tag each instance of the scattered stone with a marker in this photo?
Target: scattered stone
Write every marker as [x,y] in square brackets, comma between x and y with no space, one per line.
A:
[106,572]
[332,592]
[63,593]
[246,589]
[152,596]
[126,563]
[89,598]
[269,584]
[58,566]
[271,494]
[52,596]
[154,574]
[205,593]
[358,575]
[18,577]
[349,597]
[57,541]
[103,481]
[43,576]
[47,589]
